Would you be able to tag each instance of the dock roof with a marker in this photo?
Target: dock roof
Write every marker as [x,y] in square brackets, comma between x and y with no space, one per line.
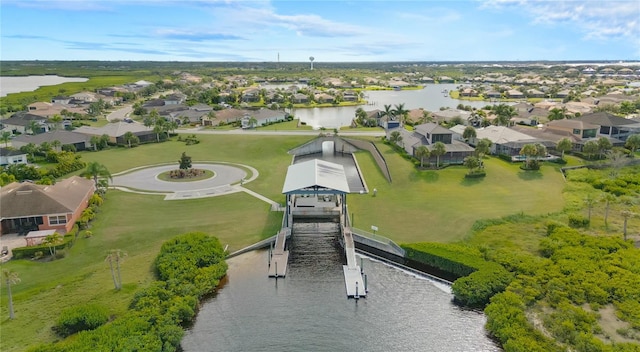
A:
[314,175]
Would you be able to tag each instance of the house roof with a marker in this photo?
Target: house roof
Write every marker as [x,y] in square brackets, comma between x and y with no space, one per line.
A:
[27,199]
[10,152]
[502,135]
[605,119]
[431,128]
[22,119]
[315,173]
[572,123]
[113,129]
[65,137]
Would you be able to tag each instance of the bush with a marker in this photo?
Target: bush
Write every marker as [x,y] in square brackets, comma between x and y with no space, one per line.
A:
[578,221]
[80,318]
[30,252]
[476,174]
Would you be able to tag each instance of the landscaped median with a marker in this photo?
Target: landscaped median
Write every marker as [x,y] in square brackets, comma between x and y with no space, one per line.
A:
[188,267]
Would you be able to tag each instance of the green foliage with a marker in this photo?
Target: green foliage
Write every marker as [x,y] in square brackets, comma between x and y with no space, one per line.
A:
[190,266]
[478,279]
[80,318]
[30,252]
[578,221]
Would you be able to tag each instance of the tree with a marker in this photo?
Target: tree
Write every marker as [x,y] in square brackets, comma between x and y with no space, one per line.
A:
[469,132]
[400,112]
[96,171]
[589,201]
[388,112]
[626,214]
[56,144]
[10,278]
[94,140]
[604,145]
[556,114]
[607,199]
[395,137]
[633,143]
[104,140]
[185,161]
[504,113]
[130,139]
[57,121]
[34,127]
[471,162]
[564,145]
[114,257]
[253,122]
[5,137]
[590,148]
[483,147]
[52,241]
[438,149]
[529,151]
[422,152]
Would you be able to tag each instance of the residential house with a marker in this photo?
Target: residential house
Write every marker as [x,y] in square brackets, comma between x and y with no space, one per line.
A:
[449,114]
[492,94]
[468,92]
[350,95]
[323,98]
[534,93]
[515,94]
[504,140]
[300,98]
[20,122]
[61,100]
[263,117]
[29,207]
[251,95]
[446,79]
[428,134]
[12,156]
[77,140]
[612,126]
[175,99]
[117,130]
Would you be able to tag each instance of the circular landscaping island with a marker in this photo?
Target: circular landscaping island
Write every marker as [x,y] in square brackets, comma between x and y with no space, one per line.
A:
[188,175]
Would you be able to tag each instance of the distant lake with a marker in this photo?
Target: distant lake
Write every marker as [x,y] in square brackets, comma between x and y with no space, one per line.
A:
[30,83]
[431,98]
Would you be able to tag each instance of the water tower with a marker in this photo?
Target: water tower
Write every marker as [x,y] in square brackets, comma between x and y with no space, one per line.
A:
[311,58]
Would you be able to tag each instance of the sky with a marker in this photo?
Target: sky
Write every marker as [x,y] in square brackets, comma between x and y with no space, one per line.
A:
[328,30]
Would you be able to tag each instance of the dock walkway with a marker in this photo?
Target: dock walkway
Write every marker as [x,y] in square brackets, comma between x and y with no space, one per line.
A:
[353,281]
[279,256]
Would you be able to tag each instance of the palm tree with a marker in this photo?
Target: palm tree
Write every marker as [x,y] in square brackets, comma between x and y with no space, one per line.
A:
[401,112]
[388,112]
[52,241]
[395,137]
[555,114]
[471,162]
[95,140]
[56,120]
[129,138]
[95,170]
[157,129]
[56,144]
[422,152]
[604,144]
[115,256]
[469,132]
[438,149]
[253,122]
[564,145]
[590,148]
[34,127]
[30,149]
[633,143]
[590,201]
[6,136]
[10,278]
[504,113]
[626,214]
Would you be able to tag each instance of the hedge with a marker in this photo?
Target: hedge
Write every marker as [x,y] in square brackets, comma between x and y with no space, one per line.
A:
[29,252]
[81,318]
[478,279]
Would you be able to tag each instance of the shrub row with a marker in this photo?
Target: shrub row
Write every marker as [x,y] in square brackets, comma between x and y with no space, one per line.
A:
[478,279]
[30,252]
[189,267]
[81,318]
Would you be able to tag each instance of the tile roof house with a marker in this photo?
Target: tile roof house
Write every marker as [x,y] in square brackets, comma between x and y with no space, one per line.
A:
[428,134]
[26,206]
[117,130]
[20,121]
[504,140]
[12,156]
[78,140]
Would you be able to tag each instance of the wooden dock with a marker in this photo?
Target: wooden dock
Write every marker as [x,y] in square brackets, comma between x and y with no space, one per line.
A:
[279,256]
[353,281]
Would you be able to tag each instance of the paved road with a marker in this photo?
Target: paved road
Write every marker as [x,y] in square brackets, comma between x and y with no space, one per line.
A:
[279,133]
[120,114]
[147,180]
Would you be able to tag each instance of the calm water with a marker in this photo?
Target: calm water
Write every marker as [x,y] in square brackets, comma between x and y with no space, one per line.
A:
[430,98]
[309,311]
[31,83]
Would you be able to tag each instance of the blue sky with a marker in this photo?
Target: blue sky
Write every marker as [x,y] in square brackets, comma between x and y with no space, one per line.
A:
[331,31]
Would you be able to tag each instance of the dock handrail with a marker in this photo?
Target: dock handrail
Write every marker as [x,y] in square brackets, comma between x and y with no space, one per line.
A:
[365,236]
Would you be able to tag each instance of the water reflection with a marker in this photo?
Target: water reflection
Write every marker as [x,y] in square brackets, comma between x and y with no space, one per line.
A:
[309,311]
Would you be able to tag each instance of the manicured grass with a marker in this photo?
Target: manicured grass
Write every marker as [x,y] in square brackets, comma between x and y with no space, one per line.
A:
[285,126]
[442,205]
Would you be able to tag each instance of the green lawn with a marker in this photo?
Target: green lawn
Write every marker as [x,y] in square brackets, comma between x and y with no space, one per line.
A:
[417,206]
[442,205]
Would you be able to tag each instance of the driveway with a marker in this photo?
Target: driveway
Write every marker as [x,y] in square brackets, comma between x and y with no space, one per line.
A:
[11,240]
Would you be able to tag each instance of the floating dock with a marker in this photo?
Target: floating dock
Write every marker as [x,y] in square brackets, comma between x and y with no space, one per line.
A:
[354,284]
[279,256]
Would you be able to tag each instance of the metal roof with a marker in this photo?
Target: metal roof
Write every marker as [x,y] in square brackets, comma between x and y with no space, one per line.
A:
[315,175]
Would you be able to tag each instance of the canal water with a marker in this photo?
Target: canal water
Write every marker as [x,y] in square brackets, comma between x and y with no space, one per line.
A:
[309,311]
[431,98]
